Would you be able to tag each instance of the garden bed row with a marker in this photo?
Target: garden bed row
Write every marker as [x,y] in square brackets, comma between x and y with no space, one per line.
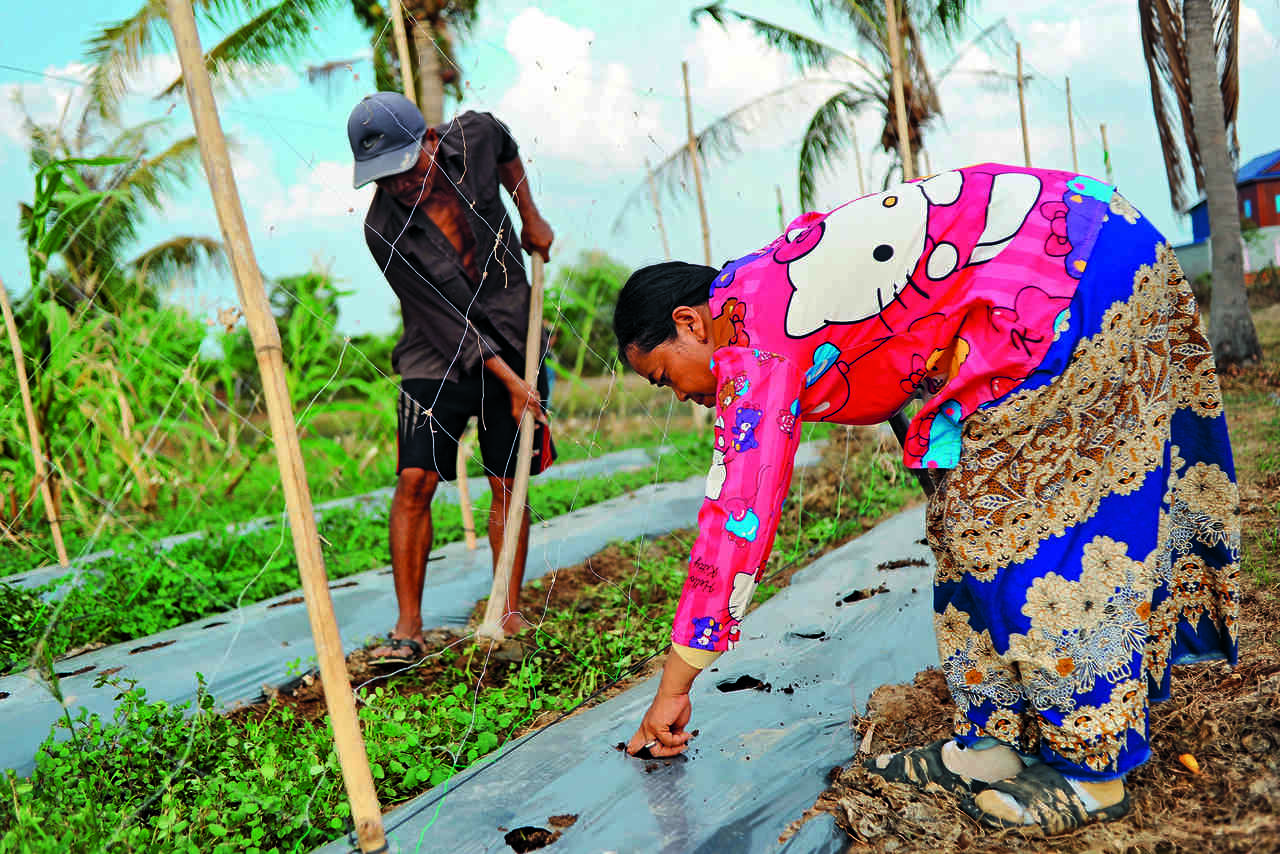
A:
[141,591]
[374,501]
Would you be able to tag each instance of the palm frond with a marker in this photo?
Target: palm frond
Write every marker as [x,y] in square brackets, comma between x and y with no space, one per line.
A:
[1226,41]
[138,185]
[938,20]
[829,134]
[116,52]
[808,53]
[166,170]
[997,34]
[718,141]
[1165,51]
[327,71]
[386,69]
[278,31]
[159,264]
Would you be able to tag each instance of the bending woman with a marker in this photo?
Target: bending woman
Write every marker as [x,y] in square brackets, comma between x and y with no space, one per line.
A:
[1085,524]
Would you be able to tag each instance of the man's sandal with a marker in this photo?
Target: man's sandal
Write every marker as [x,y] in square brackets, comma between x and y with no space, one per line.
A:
[1047,796]
[920,766]
[415,651]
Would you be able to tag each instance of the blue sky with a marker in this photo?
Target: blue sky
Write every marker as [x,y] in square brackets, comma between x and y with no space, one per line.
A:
[590,90]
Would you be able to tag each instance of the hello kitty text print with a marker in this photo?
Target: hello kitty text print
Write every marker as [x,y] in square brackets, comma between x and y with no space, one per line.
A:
[953,286]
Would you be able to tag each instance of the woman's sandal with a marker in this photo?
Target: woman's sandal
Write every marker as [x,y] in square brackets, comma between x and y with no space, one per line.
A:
[416,651]
[1047,795]
[920,766]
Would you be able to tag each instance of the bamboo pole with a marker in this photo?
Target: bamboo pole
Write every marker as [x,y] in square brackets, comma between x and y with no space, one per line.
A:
[1071,126]
[782,214]
[352,757]
[1106,152]
[928,164]
[899,99]
[657,209]
[495,609]
[33,428]
[697,170]
[1022,113]
[464,492]
[402,50]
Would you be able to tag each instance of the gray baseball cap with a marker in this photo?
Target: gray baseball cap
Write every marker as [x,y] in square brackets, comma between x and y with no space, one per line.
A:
[385,131]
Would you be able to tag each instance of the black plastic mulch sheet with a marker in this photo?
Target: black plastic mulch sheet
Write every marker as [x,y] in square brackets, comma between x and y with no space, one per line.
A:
[814,653]
[240,651]
[618,461]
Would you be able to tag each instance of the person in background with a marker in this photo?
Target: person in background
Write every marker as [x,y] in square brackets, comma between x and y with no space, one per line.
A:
[1085,522]
[439,232]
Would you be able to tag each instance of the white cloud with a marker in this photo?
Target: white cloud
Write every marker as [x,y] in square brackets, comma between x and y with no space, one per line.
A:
[1257,44]
[324,192]
[730,65]
[44,99]
[567,104]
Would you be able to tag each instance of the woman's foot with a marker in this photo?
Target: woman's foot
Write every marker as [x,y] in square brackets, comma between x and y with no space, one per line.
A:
[1040,795]
[948,765]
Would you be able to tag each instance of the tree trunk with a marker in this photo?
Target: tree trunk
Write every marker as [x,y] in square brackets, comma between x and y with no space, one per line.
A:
[430,83]
[1231,330]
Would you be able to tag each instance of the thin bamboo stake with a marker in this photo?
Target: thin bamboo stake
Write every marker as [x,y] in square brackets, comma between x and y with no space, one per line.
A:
[899,99]
[700,415]
[1106,152]
[495,610]
[402,50]
[857,158]
[1071,126]
[352,757]
[657,209]
[782,215]
[928,164]
[33,428]
[697,170]
[1022,113]
[464,492]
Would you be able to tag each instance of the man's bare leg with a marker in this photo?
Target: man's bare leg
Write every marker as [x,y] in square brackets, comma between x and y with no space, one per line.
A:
[512,622]
[411,536]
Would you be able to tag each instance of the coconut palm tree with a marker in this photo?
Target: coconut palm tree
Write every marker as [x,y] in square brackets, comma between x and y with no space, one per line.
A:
[433,26]
[1192,53]
[841,81]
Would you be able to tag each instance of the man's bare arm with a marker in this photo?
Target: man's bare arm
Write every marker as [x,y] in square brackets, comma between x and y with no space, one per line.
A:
[535,234]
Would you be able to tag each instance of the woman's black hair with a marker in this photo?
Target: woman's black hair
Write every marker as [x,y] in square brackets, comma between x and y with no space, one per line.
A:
[642,318]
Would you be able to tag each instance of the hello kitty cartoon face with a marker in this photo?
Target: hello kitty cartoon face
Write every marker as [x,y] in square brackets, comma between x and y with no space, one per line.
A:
[883,244]
[872,269]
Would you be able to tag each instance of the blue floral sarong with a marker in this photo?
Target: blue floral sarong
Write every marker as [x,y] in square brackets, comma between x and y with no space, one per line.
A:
[1089,537]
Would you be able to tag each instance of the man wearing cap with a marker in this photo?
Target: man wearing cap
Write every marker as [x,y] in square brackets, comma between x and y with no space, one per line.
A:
[439,232]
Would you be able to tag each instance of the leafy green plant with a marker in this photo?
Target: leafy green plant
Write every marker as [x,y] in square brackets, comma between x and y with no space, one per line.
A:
[159,777]
[576,299]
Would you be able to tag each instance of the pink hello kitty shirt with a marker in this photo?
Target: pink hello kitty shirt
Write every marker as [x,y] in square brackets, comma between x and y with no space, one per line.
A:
[953,286]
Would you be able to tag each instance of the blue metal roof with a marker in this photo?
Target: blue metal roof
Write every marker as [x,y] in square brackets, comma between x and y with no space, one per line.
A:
[1257,167]
[1254,170]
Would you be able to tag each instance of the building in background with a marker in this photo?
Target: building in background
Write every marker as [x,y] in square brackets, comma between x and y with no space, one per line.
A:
[1258,188]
